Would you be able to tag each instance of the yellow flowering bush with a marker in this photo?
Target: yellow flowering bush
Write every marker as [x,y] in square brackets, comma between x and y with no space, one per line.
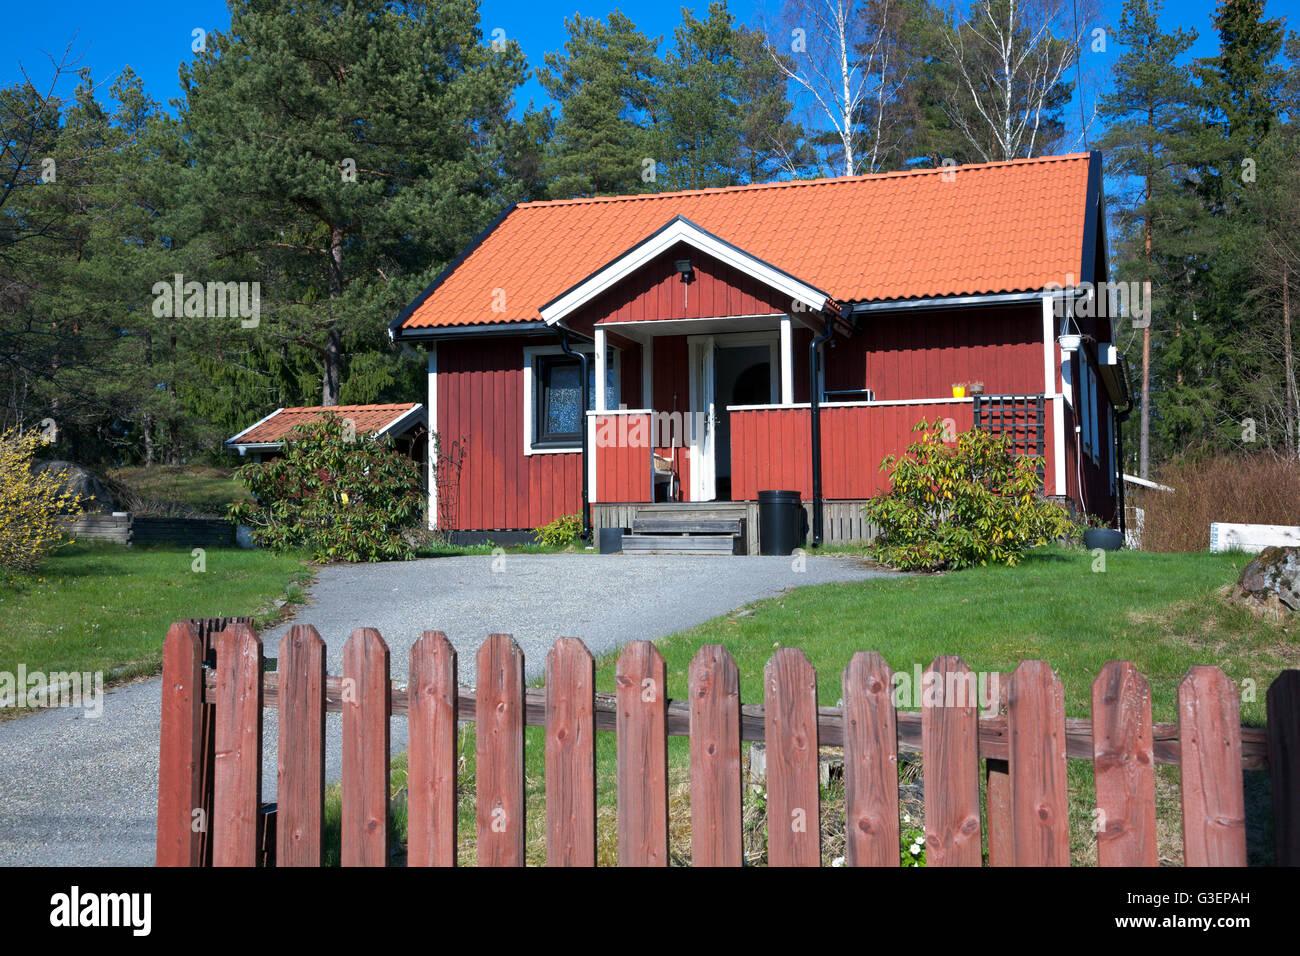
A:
[30,504]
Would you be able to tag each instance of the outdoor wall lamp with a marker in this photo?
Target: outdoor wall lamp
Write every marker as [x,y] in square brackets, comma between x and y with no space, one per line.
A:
[684,269]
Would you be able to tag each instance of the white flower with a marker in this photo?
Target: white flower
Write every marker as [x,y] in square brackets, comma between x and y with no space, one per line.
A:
[916,848]
[907,818]
[838,861]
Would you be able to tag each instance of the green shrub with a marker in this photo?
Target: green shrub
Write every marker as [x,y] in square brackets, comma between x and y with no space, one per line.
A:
[560,533]
[960,502]
[337,497]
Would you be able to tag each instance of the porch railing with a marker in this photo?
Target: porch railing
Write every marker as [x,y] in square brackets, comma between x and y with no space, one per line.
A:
[770,445]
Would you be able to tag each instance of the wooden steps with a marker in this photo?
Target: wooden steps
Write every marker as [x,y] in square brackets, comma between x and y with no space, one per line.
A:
[709,528]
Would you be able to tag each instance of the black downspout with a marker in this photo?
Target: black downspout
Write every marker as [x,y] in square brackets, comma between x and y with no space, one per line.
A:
[1119,478]
[1120,418]
[814,363]
[586,401]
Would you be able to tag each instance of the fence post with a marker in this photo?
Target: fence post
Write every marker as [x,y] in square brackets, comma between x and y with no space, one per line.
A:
[208,628]
[642,733]
[950,758]
[237,776]
[570,754]
[870,762]
[182,818]
[716,827]
[1040,808]
[1284,765]
[366,713]
[300,786]
[1124,764]
[499,752]
[431,771]
[793,773]
[1209,737]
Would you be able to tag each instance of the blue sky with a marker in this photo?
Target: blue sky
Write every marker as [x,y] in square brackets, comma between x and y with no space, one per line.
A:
[153,38]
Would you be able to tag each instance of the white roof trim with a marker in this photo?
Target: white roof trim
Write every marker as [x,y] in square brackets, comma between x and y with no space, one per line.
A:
[681,230]
[235,439]
[411,416]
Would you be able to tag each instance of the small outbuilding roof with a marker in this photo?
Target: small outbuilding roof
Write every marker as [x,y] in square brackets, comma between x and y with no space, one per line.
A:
[369,420]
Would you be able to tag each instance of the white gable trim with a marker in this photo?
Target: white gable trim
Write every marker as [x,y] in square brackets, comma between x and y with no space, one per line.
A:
[260,421]
[681,230]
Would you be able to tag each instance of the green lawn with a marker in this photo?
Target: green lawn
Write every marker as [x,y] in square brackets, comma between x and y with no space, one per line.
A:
[102,607]
[205,489]
[1160,611]
[1157,610]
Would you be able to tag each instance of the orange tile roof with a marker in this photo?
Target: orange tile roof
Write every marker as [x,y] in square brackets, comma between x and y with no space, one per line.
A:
[276,426]
[996,227]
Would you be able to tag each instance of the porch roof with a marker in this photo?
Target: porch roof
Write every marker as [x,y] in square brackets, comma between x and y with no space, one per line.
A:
[1014,226]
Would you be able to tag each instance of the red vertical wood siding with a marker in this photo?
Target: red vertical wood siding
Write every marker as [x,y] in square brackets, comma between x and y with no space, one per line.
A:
[622,452]
[922,354]
[901,356]
[771,448]
[656,292]
[481,405]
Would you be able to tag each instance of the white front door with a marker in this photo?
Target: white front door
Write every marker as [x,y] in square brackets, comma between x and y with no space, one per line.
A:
[704,418]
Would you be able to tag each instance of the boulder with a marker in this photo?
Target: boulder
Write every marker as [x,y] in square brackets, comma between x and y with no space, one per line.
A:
[84,483]
[1271,582]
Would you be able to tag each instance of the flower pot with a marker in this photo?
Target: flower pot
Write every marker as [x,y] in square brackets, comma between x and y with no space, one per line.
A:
[959,391]
[1108,539]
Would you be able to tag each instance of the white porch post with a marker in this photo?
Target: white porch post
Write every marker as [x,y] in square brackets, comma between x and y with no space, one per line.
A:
[787,360]
[1051,352]
[601,358]
[647,373]
[432,463]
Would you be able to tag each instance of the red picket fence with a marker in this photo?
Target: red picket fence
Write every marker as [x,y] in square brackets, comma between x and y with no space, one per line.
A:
[1025,751]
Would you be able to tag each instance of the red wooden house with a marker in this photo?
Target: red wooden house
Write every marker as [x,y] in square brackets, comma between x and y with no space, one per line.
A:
[780,336]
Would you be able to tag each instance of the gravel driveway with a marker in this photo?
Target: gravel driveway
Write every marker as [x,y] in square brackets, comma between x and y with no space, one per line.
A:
[79,791]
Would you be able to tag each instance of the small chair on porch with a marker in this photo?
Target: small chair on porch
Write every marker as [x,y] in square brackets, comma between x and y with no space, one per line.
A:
[663,473]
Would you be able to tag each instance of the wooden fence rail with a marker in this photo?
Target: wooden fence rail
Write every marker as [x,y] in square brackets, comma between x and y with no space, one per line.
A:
[1026,747]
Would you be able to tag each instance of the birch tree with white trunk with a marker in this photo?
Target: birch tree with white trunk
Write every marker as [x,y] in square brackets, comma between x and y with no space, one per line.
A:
[840,58]
[1013,60]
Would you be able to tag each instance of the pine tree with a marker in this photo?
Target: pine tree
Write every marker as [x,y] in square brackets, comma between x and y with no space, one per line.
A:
[342,151]
[724,112]
[1213,364]
[1148,114]
[607,83]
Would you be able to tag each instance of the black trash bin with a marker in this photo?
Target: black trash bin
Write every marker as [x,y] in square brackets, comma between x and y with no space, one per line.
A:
[611,540]
[780,522]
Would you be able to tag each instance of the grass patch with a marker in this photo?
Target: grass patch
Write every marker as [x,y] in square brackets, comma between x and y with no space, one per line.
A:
[102,607]
[203,489]
[1163,612]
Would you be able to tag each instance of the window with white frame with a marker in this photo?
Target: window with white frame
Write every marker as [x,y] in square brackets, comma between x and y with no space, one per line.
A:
[553,414]
[1087,412]
[1094,417]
